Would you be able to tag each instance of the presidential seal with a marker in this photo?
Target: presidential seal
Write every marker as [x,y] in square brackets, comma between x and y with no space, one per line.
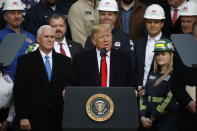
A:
[99,107]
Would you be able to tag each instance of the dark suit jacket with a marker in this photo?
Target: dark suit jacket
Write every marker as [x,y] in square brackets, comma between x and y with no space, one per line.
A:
[85,70]
[35,97]
[169,28]
[74,47]
[140,55]
[181,77]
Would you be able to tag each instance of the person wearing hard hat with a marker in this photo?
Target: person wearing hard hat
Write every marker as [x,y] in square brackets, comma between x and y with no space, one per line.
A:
[13,15]
[154,21]
[108,10]
[82,16]
[172,13]
[188,17]
[158,107]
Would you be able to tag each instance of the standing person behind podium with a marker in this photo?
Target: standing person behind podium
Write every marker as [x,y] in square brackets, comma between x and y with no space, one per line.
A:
[62,44]
[118,64]
[158,108]
[40,79]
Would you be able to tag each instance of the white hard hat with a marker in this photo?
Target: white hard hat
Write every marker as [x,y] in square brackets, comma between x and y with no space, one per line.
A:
[154,11]
[189,9]
[13,5]
[108,5]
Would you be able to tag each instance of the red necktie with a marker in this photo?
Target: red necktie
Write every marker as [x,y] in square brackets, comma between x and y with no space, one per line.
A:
[104,72]
[174,17]
[61,49]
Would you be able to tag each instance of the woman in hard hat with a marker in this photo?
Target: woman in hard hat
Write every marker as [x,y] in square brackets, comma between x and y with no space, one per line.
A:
[158,106]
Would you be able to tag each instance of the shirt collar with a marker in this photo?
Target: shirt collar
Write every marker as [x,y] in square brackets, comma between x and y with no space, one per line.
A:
[9,29]
[63,41]
[158,37]
[43,54]
[98,53]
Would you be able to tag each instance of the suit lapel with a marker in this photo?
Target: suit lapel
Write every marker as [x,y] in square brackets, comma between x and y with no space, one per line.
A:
[40,67]
[93,66]
[114,66]
[71,49]
[54,67]
[112,63]
[143,52]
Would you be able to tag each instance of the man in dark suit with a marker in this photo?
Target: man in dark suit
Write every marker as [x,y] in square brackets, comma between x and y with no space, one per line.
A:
[40,79]
[172,21]
[88,65]
[154,22]
[62,44]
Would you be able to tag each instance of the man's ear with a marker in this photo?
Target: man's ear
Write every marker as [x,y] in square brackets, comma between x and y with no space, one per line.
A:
[93,40]
[38,39]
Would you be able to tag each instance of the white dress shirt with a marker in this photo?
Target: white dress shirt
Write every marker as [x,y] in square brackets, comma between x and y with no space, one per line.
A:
[149,55]
[108,63]
[50,57]
[64,45]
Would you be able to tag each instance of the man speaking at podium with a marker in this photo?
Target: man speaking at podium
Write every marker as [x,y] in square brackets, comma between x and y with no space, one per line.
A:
[103,66]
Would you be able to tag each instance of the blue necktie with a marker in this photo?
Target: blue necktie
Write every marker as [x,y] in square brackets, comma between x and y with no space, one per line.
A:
[48,67]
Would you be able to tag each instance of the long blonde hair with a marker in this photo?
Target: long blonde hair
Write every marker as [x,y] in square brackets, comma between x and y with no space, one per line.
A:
[168,70]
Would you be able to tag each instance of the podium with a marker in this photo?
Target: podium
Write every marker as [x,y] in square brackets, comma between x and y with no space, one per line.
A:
[124,117]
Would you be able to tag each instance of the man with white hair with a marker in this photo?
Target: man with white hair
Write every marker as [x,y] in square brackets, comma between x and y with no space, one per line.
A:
[154,21]
[41,77]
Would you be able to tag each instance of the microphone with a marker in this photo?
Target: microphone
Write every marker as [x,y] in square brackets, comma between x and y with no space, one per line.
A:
[103,52]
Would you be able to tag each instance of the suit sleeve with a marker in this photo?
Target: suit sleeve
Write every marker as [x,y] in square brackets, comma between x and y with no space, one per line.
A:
[20,99]
[132,74]
[179,81]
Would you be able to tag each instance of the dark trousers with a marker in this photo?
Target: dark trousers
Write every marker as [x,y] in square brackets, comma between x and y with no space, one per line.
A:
[3,114]
[187,120]
[3,117]
[165,123]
